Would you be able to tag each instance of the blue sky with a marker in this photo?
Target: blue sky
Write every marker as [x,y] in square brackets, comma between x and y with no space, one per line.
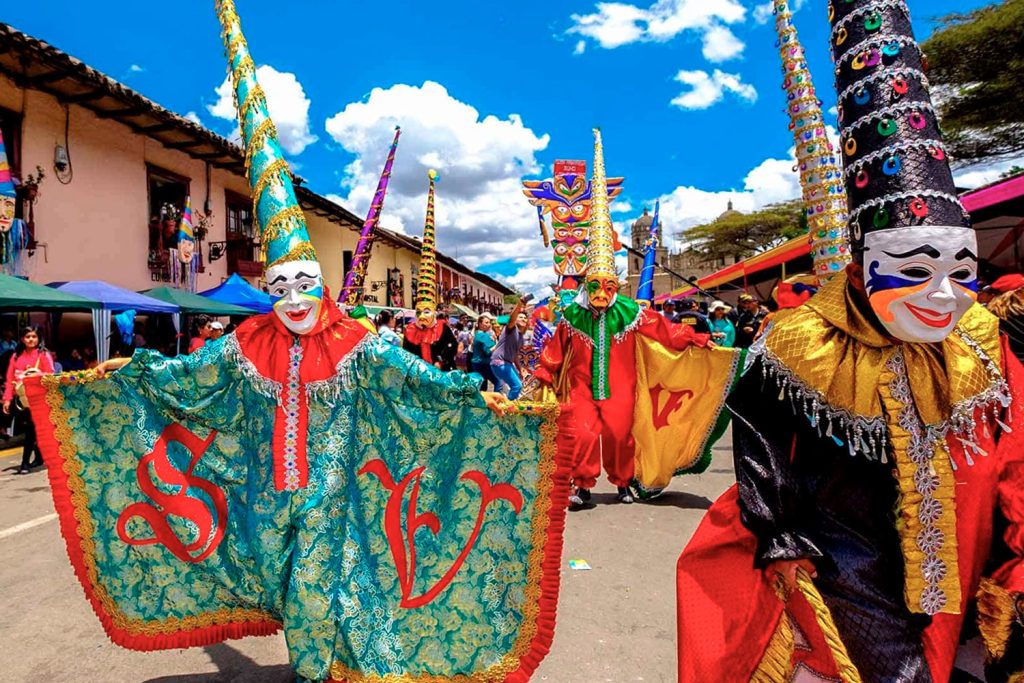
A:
[489,93]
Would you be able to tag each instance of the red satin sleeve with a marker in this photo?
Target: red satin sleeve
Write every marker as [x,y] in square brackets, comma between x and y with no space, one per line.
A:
[553,355]
[1010,489]
[676,337]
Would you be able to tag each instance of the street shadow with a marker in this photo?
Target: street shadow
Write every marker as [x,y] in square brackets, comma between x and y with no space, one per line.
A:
[681,500]
[233,667]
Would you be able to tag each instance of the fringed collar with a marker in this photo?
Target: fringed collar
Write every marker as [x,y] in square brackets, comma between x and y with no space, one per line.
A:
[619,319]
[829,359]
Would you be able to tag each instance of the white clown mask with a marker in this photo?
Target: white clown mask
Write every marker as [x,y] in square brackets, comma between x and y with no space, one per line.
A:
[296,289]
[921,280]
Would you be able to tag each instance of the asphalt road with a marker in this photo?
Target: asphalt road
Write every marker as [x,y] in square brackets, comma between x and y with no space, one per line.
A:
[616,622]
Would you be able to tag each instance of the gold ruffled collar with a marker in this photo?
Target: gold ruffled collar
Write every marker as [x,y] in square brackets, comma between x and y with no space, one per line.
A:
[829,359]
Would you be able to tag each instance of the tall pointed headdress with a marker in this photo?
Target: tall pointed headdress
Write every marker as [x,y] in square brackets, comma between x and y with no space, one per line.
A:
[352,292]
[824,193]
[426,284]
[282,224]
[895,165]
[601,250]
[645,286]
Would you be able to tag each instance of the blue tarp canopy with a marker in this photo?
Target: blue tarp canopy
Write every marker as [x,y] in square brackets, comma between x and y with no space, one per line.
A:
[236,291]
[113,299]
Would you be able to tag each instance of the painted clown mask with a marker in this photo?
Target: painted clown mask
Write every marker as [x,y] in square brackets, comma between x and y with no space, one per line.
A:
[7,206]
[601,291]
[921,280]
[186,250]
[425,317]
[570,245]
[297,290]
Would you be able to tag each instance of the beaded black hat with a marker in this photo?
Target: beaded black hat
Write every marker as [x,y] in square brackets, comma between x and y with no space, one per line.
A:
[895,164]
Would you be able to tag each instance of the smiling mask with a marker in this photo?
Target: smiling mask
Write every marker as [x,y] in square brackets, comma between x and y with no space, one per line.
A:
[296,290]
[920,281]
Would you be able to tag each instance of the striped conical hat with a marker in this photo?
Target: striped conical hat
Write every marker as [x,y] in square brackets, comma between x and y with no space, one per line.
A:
[426,284]
[601,250]
[282,225]
[824,194]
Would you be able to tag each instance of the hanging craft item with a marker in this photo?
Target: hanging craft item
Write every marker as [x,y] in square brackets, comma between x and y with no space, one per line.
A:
[184,259]
[821,179]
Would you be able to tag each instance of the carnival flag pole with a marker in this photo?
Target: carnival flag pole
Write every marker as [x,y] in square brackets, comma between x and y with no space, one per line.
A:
[645,285]
[352,291]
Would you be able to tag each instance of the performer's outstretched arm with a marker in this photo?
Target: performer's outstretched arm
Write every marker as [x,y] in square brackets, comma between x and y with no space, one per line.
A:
[763,446]
[676,337]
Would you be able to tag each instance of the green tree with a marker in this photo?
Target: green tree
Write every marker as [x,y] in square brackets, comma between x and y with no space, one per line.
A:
[976,67]
[743,234]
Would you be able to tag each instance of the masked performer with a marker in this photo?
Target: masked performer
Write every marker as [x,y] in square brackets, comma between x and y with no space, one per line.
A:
[879,437]
[596,363]
[303,474]
[430,338]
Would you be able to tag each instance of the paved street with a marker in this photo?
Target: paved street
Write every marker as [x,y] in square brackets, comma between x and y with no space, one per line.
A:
[615,623]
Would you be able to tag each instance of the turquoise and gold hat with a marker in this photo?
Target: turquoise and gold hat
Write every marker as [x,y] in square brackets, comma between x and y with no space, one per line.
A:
[282,224]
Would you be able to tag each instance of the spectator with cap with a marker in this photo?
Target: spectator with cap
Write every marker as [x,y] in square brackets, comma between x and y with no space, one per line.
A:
[689,314]
[1008,305]
[216,330]
[748,320]
[668,310]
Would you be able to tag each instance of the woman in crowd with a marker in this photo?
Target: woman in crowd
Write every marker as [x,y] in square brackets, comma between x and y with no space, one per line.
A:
[386,322]
[483,345]
[723,332]
[505,356]
[30,358]
[203,331]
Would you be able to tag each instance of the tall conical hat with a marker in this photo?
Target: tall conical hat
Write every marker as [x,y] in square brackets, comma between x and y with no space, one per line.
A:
[824,193]
[897,174]
[645,286]
[352,291]
[426,284]
[282,224]
[601,250]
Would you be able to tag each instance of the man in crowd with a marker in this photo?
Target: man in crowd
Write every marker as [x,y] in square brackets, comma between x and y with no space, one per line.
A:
[669,310]
[748,320]
[689,314]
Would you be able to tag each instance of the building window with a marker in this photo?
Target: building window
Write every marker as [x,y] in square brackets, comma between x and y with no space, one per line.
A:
[167,194]
[242,247]
[10,127]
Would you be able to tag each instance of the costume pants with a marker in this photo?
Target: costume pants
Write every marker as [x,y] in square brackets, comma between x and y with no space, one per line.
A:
[602,426]
[506,372]
[31,445]
[484,370]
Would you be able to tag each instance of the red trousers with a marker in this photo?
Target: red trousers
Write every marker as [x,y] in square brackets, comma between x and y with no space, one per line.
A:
[602,428]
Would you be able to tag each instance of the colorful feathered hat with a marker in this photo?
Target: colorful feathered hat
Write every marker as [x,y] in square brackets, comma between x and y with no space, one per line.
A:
[897,174]
[352,291]
[282,224]
[645,286]
[821,178]
[601,250]
[426,284]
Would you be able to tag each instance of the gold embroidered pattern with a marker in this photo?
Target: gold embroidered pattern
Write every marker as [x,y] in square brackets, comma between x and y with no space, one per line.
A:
[534,576]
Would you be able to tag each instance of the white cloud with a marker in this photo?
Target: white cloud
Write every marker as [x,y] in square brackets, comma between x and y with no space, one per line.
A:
[581,47]
[976,175]
[621,206]
[708,89]
[287,101]
[765,11]
[194,118]
[721,45]
[135,69]
[532,278]
[615,24]
[481,213]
